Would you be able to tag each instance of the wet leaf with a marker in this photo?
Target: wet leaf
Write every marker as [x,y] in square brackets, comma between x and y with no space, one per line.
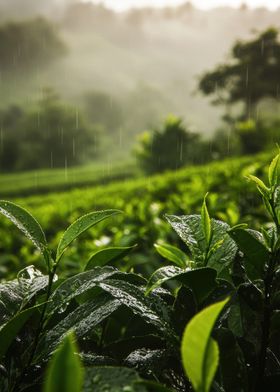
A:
[80,226]
[254,250]
[112,379]
[189,228]
[82,321]
[108,255]
[200,280]
[24,222]
[151,309]
[9,331]
[77,285]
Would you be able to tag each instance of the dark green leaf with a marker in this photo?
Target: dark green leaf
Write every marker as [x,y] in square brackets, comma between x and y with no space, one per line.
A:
[10,330]
[112,379]
[77,285]
[200,280]
[24,222]
[108,255]
[152,309]
[82,321]
[254,250]
[233,368]
[189,228]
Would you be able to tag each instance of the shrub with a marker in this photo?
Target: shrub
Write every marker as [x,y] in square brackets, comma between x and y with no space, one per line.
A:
[167,149]
[129,329]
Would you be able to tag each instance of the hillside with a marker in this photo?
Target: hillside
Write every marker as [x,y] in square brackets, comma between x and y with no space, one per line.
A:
[146,61]
[144,202]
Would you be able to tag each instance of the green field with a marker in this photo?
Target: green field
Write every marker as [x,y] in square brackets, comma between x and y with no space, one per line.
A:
[144,201]
[54,180]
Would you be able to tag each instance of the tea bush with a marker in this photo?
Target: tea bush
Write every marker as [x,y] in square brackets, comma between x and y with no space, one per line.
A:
[207,320]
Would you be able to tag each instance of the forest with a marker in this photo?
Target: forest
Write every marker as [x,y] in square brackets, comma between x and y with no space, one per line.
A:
[139,198]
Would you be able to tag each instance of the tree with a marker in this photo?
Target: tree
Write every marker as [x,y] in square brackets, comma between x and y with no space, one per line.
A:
[252,74]
[51,134]
[24,45]
[168,148]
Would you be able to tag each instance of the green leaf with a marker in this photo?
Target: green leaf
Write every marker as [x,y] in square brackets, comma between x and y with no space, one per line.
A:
[80,226]
[172,253]
[264,190]
[201,280]
[24,222]
[112,379]
[82,321]
[273,171]
[206,222]
[151,309]
[65,371]
[10,330]
[200,352]
[108,255]
[189,228]
[254,250]
[77,285]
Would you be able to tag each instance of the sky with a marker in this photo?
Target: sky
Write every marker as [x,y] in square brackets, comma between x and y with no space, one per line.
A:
[120,5]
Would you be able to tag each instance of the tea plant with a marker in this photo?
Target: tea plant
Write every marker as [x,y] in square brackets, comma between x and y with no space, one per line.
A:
[208,321]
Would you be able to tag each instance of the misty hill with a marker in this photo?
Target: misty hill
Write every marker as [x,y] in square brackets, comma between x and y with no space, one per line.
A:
[146,62]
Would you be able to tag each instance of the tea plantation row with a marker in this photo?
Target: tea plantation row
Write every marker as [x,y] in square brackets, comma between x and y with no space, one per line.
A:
[143,202]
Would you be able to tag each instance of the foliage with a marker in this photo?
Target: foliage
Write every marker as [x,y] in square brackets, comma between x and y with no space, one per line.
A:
[167,149]
[49,135]
[251,75]
[129,327]
[21,44]
[53,180]
[144,201]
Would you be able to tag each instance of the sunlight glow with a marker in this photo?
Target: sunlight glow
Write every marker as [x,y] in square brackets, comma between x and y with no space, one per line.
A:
[121,5]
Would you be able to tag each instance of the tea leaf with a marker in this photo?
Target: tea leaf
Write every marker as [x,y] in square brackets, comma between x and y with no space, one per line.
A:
[254,250]
[24,222]
[80,226]
[172,253]
[10,330]
[65,371]
[200,280]
[200,352]
[206,222]
[273,171]
[108,255]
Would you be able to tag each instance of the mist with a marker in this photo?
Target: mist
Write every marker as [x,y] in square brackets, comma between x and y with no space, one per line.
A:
[146,62]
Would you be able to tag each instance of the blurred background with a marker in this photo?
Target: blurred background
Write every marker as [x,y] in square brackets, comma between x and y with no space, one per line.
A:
[81,80]
[138,105]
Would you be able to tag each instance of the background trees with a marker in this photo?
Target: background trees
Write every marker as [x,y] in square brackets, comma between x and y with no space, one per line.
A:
[168,148]
[26,44]
[252,74]
[50,134]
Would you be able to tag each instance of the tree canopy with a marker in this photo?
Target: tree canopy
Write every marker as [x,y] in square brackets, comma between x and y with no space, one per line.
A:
[50,134]
[26,44]
[252,74]
[168,148]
